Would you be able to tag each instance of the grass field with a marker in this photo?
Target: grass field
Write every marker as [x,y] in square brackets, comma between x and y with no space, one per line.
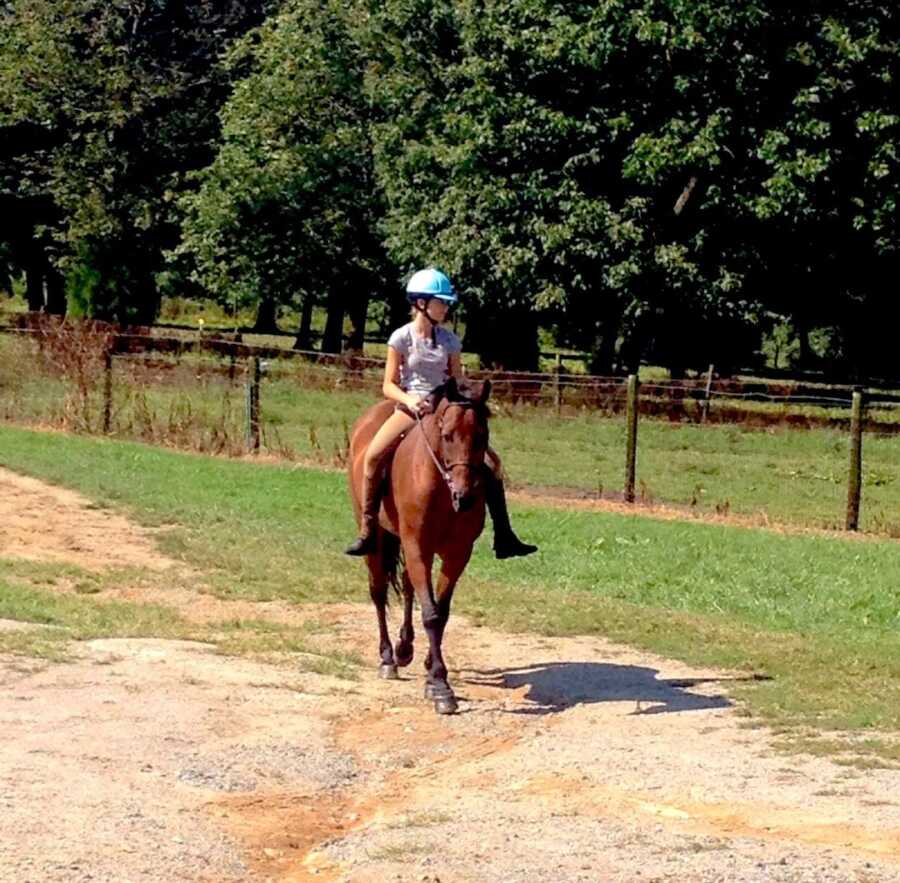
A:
[784,475]
[817,615]
[778,475]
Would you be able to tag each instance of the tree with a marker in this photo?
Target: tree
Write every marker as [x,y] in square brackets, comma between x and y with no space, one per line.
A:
[288,205]
[826,196]
[651,174]
[119,98]
[524,126]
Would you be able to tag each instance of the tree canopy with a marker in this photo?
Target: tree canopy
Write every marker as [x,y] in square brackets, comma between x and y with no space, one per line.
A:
[651,179]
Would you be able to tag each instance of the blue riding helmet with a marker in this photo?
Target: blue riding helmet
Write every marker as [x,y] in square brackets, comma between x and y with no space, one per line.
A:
[430,283]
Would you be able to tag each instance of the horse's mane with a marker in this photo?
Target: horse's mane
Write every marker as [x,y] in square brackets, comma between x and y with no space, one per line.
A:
[461,394]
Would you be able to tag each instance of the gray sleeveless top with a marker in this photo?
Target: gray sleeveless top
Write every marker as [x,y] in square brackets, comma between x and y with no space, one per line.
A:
[425,362]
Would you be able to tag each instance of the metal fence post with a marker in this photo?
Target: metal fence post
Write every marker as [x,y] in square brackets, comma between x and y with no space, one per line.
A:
[854,484]
[631,418]
[253,375]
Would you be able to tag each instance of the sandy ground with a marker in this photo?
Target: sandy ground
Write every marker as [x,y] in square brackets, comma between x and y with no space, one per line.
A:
[571,760]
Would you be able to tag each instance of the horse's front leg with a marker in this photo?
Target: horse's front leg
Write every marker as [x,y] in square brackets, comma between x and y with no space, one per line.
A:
[433,620]
[404,650]
[451,570]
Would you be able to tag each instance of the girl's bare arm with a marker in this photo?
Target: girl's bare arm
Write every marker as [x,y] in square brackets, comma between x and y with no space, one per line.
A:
[391,386]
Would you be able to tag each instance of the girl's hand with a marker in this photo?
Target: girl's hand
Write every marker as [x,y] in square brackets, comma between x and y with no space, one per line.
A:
[422,406]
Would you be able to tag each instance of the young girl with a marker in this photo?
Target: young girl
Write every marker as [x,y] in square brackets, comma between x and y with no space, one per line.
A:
[423,355]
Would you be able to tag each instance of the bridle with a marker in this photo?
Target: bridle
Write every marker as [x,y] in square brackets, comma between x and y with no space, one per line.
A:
[444,468]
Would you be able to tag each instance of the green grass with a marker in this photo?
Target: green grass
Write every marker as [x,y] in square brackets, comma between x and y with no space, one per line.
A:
[73,617]
[781,475]
[819,616]
[789,476]
[60,600]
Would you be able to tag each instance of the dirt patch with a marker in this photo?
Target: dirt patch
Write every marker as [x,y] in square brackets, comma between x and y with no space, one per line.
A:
[11,625]
[46,523]
[574,759]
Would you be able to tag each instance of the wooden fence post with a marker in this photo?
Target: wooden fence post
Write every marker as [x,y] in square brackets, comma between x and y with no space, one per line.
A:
[854,485]
[253,375]
[631,419]
[558,386]
[704,408]
[107,391]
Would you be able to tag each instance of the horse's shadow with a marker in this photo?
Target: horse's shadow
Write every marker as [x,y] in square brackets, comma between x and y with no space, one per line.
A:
[556,686]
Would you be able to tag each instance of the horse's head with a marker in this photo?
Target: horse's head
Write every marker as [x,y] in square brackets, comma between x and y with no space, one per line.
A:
[462,419]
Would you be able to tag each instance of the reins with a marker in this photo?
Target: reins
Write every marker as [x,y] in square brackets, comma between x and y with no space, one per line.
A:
[444,471]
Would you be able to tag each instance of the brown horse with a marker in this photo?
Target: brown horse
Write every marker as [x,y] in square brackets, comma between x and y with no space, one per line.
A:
[433,506]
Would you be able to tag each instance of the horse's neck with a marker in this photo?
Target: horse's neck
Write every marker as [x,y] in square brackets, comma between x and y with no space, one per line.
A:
[414,447]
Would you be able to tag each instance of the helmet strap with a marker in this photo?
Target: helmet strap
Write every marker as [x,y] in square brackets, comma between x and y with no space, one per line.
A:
[424,311]
[434,322]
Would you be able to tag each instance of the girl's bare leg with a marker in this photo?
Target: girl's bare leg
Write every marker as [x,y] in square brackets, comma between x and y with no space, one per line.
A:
[384,440]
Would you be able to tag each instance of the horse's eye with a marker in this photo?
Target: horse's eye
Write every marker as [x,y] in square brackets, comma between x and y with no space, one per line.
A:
[446,437]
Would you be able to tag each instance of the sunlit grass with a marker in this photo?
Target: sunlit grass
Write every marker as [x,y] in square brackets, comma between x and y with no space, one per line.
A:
[780,475]
[818,616]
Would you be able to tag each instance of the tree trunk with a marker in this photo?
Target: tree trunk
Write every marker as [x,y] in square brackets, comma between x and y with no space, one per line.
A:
[804,356]
[358,313]
[145,309]
[631,350]
[603,351]
[333,338]
[399,311]
[56,292]
[34,283]
[266,314]
[304,337]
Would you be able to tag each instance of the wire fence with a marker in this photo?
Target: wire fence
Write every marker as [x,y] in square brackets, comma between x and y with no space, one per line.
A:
[222,396]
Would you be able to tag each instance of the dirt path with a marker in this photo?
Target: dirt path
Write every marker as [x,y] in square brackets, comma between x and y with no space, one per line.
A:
[572,760]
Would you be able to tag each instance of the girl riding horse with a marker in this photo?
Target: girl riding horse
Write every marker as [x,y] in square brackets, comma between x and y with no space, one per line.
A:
[422,356]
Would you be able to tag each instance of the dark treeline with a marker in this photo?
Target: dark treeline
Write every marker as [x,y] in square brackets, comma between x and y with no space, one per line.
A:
[664,180]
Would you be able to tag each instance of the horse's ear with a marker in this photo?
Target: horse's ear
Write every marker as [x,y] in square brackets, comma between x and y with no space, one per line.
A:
[485,392]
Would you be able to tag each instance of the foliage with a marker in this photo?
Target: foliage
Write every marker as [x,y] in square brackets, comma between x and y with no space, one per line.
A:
[109,104]
[656,179]
[641,168]
[287,206]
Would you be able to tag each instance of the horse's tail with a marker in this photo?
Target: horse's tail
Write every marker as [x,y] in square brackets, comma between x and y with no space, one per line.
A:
[392,560]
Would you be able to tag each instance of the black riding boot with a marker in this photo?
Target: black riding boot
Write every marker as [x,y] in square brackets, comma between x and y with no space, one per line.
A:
[367,541]
[506,543]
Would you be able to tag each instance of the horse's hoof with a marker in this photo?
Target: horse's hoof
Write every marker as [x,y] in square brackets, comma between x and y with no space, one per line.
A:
[404,657]
[431,691]
[387,671]
[446,704]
